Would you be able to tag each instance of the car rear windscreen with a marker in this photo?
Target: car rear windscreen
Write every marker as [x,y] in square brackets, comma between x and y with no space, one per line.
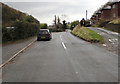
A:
[43,32]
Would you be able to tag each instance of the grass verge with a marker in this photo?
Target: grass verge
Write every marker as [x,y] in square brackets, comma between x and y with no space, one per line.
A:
[87,34]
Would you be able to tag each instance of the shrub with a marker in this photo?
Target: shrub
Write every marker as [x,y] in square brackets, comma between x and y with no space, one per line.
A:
[102,23]
[43,26]
[22,30]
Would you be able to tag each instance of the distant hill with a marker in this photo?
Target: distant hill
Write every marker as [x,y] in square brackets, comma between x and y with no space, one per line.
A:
[11,15]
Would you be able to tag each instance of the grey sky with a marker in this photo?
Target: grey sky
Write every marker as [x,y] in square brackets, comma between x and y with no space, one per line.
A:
[45,11]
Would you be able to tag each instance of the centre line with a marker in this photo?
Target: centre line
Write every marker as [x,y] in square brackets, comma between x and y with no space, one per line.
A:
[64,45]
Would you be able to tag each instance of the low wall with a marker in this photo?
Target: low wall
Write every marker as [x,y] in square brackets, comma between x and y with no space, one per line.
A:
[113,27]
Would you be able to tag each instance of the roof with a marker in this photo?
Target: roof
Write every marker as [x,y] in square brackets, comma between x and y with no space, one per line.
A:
[105,7]
[114,3]
[44,29]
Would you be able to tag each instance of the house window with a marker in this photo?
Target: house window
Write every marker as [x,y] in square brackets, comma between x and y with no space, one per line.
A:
[113,6]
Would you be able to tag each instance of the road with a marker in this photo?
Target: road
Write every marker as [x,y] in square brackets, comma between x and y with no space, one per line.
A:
[65,58]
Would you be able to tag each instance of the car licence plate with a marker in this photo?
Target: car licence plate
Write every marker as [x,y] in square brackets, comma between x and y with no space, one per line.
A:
[43,37]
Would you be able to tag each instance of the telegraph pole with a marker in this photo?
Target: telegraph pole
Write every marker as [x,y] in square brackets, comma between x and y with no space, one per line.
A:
[55,21]
[86,14]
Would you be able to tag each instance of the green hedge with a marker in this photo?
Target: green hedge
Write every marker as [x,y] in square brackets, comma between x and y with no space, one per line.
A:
[22,30]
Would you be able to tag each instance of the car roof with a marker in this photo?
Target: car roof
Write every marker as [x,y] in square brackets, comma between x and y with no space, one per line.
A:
[44,29]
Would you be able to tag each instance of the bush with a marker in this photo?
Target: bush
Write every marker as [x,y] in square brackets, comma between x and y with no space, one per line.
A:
[73,24]
[115,21]
[25,29]
[22,30]
[43,26]
[102,23]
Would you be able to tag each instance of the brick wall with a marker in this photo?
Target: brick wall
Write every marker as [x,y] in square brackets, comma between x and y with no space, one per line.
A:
[98,16]
[114,11]
[106,13]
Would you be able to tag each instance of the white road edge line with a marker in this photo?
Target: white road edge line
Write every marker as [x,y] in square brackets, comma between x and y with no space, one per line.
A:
[64,45]
[15,55]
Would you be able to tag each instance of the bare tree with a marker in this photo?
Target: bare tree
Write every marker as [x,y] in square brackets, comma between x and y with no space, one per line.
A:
[58,20]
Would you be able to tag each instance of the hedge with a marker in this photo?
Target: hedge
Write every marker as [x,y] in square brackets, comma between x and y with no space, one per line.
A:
[21,30]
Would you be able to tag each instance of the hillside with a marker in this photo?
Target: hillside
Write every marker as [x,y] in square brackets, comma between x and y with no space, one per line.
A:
[17,25]
[11,15]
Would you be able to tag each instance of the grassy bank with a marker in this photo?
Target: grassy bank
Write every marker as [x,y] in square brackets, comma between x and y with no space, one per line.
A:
[87,34]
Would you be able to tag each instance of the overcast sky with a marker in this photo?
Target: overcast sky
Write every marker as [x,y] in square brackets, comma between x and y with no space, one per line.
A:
[45,11]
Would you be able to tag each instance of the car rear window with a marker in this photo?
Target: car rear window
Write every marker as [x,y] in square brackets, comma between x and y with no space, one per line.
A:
[43,32]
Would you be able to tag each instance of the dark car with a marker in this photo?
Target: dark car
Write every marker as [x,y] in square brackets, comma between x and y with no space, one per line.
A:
[44,34]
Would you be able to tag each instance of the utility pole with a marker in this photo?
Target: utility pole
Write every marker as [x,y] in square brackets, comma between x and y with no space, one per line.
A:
[86,14]
[55,21]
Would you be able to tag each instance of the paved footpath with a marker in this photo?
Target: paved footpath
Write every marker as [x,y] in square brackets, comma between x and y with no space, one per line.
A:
[10,49]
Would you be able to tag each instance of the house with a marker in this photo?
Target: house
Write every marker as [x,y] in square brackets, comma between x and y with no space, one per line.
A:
[93,19]
[105,14]
[115,10]
[98,16]
[109,11]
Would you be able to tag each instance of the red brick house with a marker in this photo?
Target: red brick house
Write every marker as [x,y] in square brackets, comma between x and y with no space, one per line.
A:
[115,10]
[109,11]
[98,16]
[105,14]
[93,19]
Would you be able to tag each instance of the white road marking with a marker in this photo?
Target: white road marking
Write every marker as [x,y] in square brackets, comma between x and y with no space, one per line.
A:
[116,39]
[110,40]
[104,45]
[115,33]
[63,42]
[113,40]
[109,32]
[64,45]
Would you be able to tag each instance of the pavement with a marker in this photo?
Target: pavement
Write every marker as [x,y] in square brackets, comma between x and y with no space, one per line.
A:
[10,49]
[65,58]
